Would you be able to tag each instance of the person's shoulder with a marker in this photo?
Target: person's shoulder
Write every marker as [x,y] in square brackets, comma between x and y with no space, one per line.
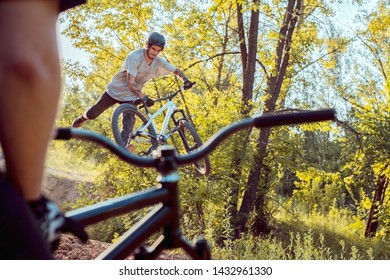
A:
[162,60]
[138,52]
[136,55]
[164,63]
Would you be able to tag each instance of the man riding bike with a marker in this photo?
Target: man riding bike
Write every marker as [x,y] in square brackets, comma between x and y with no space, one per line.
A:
[126,86]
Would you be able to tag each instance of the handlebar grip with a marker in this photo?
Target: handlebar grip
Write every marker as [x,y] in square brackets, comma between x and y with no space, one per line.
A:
[63,134]
[294,118]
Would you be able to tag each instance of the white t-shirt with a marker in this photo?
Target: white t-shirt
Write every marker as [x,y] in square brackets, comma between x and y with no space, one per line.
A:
[136,65]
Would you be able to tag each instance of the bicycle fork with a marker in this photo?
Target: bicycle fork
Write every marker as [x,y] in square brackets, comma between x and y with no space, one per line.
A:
[177,122]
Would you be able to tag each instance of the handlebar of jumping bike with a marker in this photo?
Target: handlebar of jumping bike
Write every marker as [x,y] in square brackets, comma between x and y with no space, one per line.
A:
[266,120]
[172,95]
[168,97]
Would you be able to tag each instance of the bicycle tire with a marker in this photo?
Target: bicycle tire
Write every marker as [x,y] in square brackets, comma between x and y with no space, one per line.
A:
[191,141]
[144,143]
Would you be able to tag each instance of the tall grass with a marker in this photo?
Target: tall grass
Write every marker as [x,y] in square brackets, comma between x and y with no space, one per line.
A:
[334,236]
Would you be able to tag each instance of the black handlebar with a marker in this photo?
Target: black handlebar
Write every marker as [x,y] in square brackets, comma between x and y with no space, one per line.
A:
[172,95]
[268,120]
[278,119]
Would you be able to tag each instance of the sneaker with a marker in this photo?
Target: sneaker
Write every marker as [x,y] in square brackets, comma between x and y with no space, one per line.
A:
[53,223]
[131,148]
[50,220]
[78,121]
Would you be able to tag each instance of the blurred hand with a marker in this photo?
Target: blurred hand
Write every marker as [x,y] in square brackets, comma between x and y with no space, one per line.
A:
[188,84]
[147,101]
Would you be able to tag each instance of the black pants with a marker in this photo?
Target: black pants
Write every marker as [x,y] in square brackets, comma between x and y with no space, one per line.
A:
[102,104]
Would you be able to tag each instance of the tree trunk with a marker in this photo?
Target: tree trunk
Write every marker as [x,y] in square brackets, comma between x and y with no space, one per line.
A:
[253,179]
[254,193]
[248,58]
[261,224]
[377,201]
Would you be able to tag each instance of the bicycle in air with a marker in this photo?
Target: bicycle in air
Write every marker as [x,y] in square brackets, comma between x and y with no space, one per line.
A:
[163,199]
[144,137]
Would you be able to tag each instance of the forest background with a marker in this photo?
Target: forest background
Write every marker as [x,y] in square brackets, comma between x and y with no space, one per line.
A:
[317,191]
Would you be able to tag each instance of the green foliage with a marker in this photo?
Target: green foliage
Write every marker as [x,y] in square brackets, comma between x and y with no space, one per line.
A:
[318,169]
[365,143]
[296,246]
[318,190]
[306,237]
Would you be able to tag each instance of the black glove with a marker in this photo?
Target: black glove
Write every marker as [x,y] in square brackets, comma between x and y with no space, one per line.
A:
[52,222]
[147,101]
[188,84]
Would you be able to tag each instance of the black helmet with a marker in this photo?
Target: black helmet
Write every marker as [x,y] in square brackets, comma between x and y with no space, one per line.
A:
[156,39]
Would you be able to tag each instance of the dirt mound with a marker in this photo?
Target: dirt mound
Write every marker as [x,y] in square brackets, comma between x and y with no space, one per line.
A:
[61,189]
[71,248]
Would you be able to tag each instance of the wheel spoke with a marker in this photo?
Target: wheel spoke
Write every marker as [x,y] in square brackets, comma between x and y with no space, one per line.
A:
[129,132]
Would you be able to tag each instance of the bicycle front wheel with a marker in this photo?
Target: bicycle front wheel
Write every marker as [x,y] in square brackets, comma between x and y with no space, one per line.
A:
[191,141]
[128,127]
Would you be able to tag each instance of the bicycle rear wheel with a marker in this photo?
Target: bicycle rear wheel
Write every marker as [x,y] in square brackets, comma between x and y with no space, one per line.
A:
[190,141]
[128,127]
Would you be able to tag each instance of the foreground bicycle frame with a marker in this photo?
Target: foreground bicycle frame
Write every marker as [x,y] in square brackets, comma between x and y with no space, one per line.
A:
[165,215]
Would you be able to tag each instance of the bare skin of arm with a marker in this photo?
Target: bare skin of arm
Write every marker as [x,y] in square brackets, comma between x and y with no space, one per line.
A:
[180,74]
[132,86]
[30,85]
